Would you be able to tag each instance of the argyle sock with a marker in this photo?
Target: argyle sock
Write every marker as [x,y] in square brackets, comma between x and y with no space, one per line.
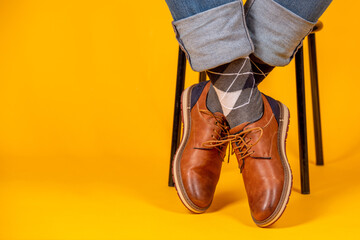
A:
[260,69]
[234,92]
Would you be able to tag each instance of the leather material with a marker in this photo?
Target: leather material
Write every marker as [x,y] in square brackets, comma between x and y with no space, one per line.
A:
[196,93]
[200,166]
[262,171]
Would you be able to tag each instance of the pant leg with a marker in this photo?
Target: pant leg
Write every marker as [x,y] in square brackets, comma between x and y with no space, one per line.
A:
[186,8]
[277,27]
[211,32]
[311,10]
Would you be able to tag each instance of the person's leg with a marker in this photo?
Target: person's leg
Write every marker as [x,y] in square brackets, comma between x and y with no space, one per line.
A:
[259,146]
[211,33]
[309,10]
[234,92]
[277,28]
[216,40]
[187,8]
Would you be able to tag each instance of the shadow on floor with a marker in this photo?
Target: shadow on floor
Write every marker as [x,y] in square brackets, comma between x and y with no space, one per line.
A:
[328,183]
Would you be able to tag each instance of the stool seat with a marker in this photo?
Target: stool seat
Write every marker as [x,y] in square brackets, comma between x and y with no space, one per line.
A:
[318,26]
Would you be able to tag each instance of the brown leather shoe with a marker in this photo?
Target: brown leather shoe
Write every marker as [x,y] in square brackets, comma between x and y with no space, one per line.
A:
[197,163]
[260,150]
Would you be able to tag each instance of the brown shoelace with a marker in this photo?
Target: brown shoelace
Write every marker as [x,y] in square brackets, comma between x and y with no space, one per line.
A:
[217,135]
[242,144]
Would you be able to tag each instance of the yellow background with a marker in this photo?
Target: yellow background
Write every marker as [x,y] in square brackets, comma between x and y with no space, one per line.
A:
[86,105]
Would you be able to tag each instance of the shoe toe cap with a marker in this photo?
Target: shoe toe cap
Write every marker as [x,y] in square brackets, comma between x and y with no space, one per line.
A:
[264,203]
[200,187]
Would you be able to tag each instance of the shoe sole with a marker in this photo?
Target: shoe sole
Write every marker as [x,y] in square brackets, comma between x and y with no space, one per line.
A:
[186,119]
[288,179]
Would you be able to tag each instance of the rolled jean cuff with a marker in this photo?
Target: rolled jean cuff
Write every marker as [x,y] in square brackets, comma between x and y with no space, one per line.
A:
[214,37]
[276,32]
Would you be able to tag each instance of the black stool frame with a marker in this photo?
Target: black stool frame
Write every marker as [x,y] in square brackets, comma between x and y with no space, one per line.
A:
[301,106]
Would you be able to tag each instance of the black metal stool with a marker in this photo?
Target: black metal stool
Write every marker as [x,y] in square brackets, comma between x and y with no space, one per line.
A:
[300,90]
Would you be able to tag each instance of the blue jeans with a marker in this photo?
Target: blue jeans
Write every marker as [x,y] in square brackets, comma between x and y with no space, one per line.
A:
[215,32]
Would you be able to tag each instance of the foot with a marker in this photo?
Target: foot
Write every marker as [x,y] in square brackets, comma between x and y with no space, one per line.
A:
[260,149]
[197,162]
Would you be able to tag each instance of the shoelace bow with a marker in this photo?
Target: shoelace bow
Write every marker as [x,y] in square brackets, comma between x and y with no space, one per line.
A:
[242,144]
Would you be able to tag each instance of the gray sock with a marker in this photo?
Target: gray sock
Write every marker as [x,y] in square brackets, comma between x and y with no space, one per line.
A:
[234,92]
[212,101]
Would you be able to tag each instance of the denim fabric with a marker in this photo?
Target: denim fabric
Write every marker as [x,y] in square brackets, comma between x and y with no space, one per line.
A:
[214,32]
[277,33]
[185,8]
[311,10]
[214,37]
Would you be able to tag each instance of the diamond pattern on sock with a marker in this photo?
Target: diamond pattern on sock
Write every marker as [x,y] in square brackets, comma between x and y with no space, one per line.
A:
[236,91]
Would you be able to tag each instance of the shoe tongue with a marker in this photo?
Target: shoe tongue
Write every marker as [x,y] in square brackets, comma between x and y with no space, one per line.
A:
[238,128]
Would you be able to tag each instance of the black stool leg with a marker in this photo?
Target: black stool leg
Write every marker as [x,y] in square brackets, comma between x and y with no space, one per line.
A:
[315,100]
[202,77]
[303,148]
[180,81]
